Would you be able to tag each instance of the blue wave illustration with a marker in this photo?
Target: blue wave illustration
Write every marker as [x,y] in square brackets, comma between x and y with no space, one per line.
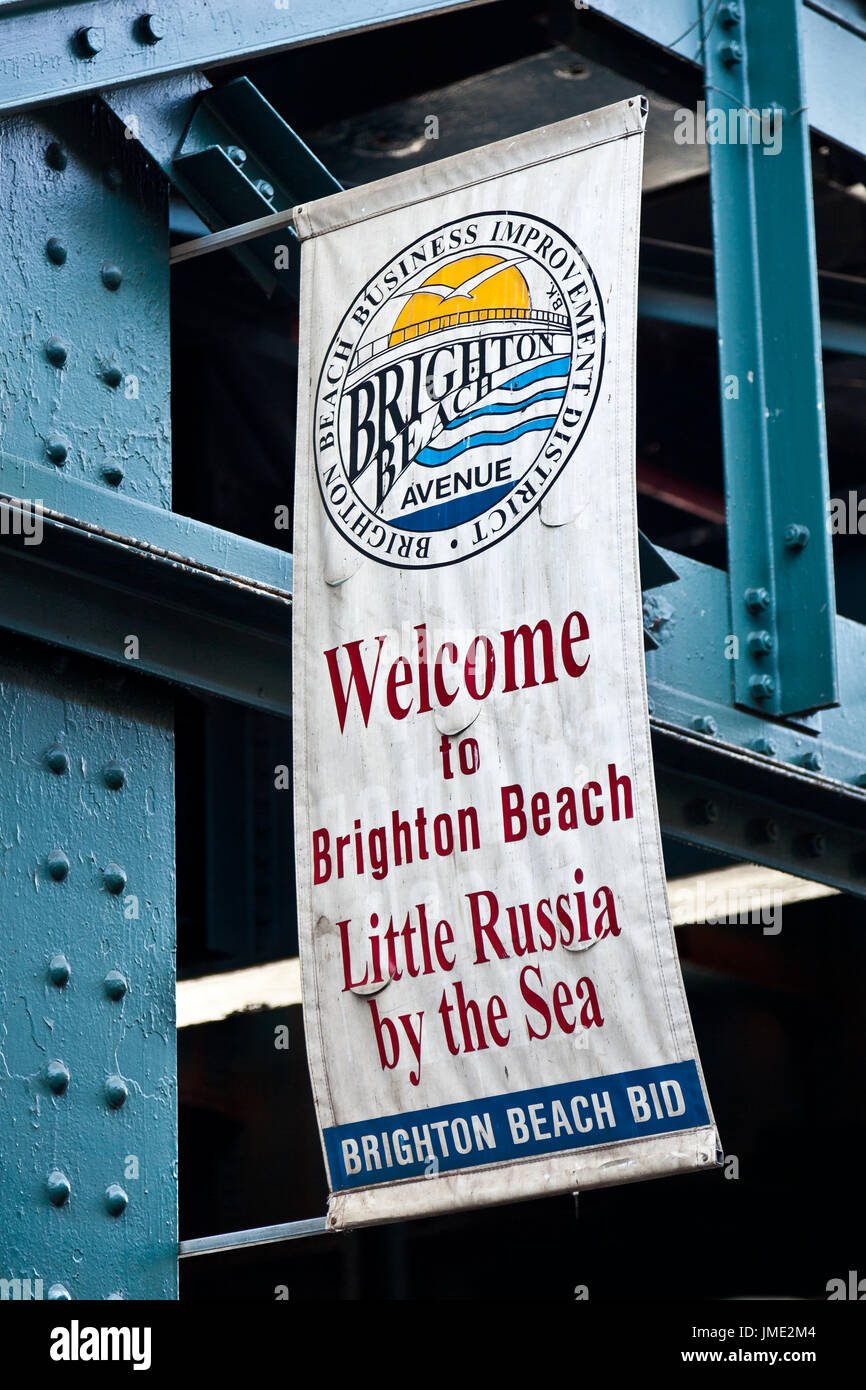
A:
[506,407]
[430,456]
[555,366]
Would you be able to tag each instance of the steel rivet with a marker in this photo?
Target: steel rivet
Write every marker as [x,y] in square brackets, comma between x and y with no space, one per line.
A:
[114,878]
[59,971]
[56,156]
[57,865]
[731,54]
[55,250]
[266,189]
[762,687]
[112,376]
[705,724]
[56,352]
[115,985]
[113,474]
[111,276]
[236,154]
[796,536]
[151,28]
[58,1187]
[757,600]
[760,643]
[812,760]
[704,812]
[90,41]
[57,448]
[116,1092]
[57,1077]
[116,1200]
[58,1291]
[765,830]
[56,759]
[812,844]
[113,776]
[765,746]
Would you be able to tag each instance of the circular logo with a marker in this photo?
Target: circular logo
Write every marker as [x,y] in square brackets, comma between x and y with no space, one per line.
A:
[456,389]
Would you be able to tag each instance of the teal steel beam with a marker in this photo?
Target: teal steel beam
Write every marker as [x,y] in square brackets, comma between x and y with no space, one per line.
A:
[199,627]
[75,48]
[155,531]
[775,447]
[834,50]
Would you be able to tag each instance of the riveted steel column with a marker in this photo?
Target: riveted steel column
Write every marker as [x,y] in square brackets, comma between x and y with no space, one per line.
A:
[88,1190]
[780,566]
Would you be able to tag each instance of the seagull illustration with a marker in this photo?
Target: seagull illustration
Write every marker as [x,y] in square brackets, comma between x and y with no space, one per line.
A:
[465,289]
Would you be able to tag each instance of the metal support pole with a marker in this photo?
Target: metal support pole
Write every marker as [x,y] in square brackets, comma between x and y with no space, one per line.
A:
[780,566]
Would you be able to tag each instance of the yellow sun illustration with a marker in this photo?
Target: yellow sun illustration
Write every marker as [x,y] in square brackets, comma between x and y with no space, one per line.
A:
[486,294]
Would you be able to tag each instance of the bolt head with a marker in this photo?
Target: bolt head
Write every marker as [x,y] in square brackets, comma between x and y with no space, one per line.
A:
[114,878]
[757,600]
[762,687]
[113,474]
[55,250]
[113,776]
[760,643]
[112,376]
[57,865]
[59,971]
[111,276]
[115,985]
[152,28]
[266,189]
[705,724]
[56,352]
[812,760]
[731,54]
[57,448]
[90,41]
[57,1077]
[116,1200]
[765,746]
[796,537]
[57,759]
[58,1291]
[236,154]
[56,156]
[116,1092]
[58,1188]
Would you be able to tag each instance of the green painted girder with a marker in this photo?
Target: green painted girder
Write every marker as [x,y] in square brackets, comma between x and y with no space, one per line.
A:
[88,1097]
[775,447]
[834,50]
[75,48]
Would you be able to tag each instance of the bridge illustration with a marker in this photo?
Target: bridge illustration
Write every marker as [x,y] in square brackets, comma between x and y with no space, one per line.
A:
[541,318]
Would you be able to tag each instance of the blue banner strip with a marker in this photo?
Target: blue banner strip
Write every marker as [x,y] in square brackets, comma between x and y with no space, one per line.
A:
[519,1124]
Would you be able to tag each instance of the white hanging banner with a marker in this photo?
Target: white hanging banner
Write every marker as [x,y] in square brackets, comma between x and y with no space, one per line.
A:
[492,996]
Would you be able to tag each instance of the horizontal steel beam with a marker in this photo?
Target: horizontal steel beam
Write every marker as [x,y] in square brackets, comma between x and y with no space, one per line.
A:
[138,524]
[742,804]
[54,51]
[151,609]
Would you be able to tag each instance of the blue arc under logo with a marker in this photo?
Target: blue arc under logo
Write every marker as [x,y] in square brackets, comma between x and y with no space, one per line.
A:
[457,388]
